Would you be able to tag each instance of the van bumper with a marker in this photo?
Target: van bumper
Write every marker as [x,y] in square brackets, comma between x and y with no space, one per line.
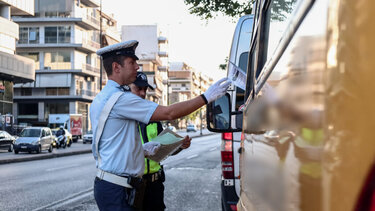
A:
[228,196]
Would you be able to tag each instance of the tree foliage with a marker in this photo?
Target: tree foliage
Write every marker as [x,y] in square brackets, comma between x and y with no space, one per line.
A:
[208,9]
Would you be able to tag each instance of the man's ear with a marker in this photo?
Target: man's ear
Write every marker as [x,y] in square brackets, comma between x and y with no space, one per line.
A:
[115,67]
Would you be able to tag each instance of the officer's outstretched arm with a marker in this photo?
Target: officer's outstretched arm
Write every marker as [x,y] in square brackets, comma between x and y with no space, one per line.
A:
[177,110]
[181,109]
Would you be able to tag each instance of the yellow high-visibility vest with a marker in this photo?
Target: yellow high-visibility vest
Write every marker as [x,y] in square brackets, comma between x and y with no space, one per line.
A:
[152,131]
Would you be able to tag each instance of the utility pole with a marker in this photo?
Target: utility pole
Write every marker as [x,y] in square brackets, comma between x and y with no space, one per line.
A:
[200,92]
[101,46]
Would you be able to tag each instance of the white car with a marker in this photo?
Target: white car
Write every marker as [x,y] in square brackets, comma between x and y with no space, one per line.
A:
[191,127]
[87,137]
[172,128]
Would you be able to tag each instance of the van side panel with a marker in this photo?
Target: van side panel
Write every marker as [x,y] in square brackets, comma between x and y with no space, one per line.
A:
[281,164]
[349,151]
[313,144]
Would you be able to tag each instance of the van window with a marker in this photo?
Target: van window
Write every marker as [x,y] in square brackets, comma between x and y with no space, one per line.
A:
[244,40]
[277,19]
[240,93]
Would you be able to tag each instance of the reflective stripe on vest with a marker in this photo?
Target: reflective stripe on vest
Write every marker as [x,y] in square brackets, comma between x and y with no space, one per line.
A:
[152,131]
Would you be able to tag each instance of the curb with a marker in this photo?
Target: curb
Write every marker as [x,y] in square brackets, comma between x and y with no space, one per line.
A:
[56,155]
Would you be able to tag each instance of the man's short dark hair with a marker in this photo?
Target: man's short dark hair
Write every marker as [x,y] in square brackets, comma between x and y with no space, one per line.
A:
[107,63]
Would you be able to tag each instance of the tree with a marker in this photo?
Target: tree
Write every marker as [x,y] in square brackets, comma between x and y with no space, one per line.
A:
[208,9]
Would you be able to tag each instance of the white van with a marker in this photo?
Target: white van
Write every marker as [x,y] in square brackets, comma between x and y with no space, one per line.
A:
[230,144]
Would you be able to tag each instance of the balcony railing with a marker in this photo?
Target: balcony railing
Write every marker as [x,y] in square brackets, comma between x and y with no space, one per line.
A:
[85,92]
[91,68]
[90,43]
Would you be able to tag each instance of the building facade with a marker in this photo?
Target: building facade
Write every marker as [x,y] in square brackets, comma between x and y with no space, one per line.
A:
[13,69]
[153,58]
[186,83]
[62,38]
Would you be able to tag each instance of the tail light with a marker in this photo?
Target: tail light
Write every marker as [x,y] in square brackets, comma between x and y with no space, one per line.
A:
[366,200]
[227,156]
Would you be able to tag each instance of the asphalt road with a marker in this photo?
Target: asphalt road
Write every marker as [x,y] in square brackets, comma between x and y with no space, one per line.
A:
[65,183]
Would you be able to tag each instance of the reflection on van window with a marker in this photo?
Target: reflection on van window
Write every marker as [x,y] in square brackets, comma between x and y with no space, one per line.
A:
[244,40]
[278,17]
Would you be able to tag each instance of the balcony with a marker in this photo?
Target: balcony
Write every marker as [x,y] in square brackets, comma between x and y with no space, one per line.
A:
[85,45]
[9,28]
[21,7]
[163,54]
[85,94]
[162,68]
[81,94]
[86,69]
[162,40]
[91,3]
[180,89]
[16,68]
[80,17]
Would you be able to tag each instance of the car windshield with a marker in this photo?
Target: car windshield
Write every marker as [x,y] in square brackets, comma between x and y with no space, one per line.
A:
[89,132]
[30,133]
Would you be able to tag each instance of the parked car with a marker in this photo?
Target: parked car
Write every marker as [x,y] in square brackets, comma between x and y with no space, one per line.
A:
[87,137]
[191,127]
[172,128]
[6,141]
[34,139]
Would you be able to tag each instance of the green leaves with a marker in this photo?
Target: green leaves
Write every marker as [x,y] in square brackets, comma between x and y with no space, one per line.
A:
[207,9]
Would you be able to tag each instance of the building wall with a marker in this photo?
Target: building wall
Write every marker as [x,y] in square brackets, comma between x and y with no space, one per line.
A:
[68,69]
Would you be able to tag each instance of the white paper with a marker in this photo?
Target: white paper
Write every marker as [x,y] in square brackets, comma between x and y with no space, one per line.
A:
[237,76]
[170,142]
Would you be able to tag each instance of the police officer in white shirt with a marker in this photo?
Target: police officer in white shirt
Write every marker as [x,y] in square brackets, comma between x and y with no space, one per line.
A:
[114,114]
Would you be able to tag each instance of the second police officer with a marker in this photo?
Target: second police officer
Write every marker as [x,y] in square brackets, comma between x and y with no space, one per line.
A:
[154,176]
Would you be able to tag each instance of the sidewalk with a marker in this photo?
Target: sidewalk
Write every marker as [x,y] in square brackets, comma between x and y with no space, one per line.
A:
[75,149]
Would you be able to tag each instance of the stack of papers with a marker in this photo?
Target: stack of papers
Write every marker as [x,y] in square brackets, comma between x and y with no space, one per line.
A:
[169,141]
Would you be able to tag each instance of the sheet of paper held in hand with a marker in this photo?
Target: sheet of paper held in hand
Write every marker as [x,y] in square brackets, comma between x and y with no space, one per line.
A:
[237,76]
[170,142]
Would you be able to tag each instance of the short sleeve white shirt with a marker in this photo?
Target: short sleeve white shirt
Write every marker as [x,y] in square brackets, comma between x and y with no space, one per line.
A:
[120,147]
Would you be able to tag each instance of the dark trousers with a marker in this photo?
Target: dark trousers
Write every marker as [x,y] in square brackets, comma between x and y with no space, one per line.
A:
[154,196]
[109,196]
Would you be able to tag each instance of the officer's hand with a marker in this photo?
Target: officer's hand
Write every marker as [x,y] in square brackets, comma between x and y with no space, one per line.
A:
[151,148]
[186,142]
[217,89]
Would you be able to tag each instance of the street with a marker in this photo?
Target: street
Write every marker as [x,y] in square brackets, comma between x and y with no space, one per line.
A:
[65,183]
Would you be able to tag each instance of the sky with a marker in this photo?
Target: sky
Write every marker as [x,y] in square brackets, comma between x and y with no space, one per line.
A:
[201,44]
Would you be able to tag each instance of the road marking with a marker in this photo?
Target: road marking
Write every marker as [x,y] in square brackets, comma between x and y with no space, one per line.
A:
[63,167]
[192,156]
[67,200]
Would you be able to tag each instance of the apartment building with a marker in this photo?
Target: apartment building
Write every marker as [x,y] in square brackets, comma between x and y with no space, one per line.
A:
[153,57]
[13,69]
[62,39]
[186,83]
